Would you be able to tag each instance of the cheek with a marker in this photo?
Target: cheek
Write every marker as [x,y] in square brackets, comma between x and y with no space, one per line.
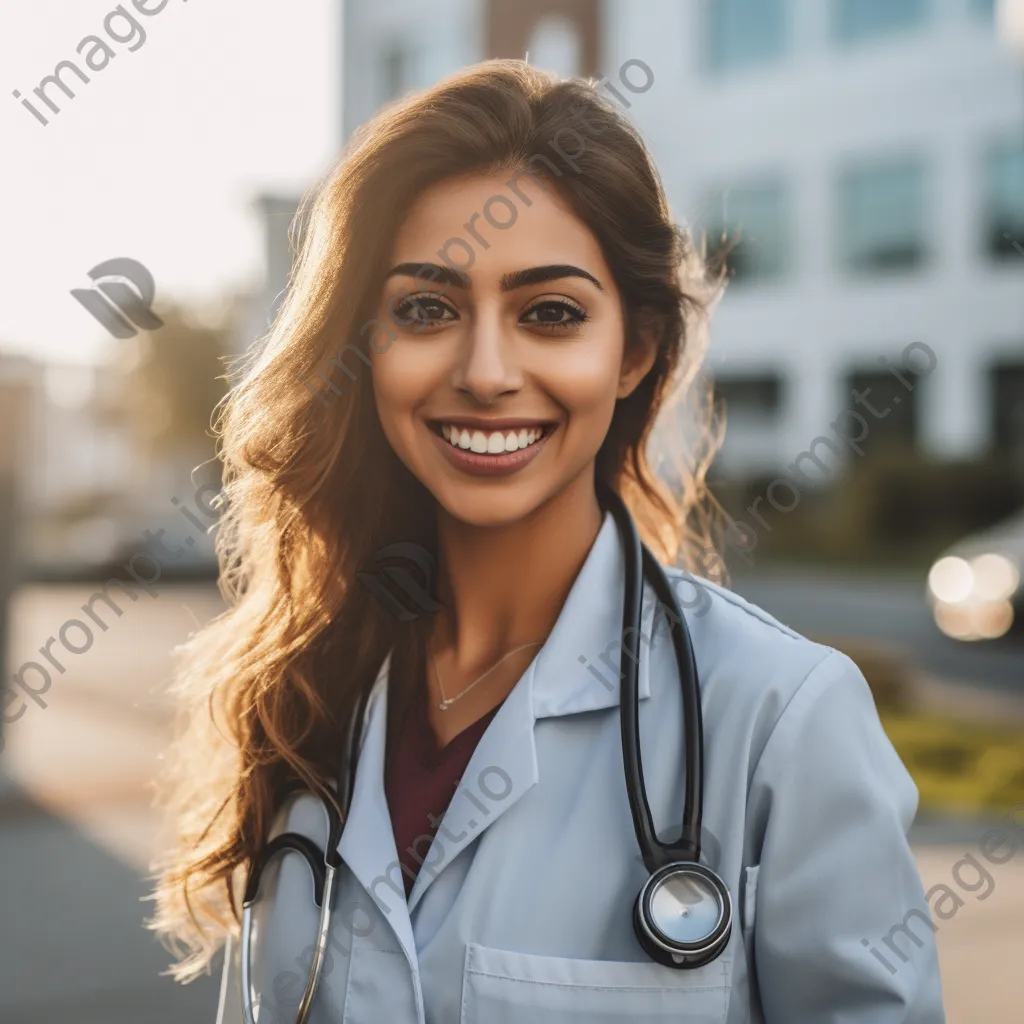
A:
[403,379]
[584,379]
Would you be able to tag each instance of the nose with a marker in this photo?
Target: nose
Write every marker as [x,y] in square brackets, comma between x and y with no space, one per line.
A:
[488,366]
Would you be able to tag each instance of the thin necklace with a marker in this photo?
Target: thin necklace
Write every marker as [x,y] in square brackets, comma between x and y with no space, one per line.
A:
[447,702]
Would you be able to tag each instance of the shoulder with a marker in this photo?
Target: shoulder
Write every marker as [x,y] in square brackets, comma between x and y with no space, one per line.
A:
[758,677]
[729,632]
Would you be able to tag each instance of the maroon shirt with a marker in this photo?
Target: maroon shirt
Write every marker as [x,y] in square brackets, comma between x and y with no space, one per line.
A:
[422,779]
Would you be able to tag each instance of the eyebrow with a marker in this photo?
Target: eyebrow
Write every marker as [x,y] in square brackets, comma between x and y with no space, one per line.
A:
[509,282]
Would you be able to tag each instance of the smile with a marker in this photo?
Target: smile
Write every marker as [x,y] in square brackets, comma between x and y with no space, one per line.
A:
[482,450]
[495,442]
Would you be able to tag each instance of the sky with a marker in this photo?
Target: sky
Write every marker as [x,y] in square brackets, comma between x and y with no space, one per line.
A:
[157,158]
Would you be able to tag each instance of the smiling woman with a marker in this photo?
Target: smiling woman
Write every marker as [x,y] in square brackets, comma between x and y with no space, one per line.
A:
[503,428]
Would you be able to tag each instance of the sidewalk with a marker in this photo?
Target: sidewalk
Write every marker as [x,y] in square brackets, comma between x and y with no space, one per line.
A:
[981,946]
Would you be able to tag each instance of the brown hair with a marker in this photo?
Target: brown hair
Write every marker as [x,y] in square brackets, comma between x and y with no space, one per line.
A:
[313,489]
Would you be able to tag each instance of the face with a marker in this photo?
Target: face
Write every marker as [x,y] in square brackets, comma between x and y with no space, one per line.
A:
[496,382]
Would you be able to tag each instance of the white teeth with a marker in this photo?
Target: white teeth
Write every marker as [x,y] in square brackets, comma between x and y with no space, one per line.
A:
[491,443]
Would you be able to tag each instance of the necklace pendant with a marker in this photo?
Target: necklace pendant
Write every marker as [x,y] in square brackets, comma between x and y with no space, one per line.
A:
[445,704]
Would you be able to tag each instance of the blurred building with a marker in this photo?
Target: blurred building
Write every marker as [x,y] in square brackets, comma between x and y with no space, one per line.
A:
[863,158]
[71,466]
[97,454]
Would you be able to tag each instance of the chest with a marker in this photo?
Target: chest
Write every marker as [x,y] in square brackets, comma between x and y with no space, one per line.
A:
[532,920]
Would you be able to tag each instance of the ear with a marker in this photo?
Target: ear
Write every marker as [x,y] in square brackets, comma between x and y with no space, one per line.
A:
[637,361]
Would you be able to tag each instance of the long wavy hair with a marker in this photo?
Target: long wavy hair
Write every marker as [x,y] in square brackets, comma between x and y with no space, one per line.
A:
[312,488]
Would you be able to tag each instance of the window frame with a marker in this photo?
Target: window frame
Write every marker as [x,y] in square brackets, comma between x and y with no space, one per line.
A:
[985,206]
[770,181]
[770,413]
[851,264]
[713,62]
[868,38]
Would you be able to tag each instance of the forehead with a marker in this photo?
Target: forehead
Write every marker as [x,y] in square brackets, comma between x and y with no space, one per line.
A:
[485,228]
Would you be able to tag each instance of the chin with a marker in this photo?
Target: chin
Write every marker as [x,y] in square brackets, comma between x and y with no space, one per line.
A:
[494,505]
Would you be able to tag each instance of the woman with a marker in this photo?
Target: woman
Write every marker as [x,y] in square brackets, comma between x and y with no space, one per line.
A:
[479,335]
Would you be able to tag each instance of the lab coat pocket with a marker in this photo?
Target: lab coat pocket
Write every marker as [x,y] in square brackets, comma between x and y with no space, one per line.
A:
[747,981]
[750,901]
[502,987]
[379,987]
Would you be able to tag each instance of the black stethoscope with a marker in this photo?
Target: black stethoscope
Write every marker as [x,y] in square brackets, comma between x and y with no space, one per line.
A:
[683,914]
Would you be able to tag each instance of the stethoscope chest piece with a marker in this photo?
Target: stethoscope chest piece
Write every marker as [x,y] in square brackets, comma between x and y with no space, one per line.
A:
[683,915]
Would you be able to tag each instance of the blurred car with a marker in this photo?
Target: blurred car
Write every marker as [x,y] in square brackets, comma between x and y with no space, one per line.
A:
[99,547]
[975,588]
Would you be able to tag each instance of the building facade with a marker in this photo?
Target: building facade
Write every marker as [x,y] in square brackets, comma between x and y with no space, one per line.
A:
[862,159]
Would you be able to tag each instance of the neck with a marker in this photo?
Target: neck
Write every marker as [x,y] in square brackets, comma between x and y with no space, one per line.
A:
[505,586]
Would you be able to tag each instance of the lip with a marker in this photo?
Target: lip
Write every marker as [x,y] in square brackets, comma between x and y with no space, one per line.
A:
[491,424]
[478,464]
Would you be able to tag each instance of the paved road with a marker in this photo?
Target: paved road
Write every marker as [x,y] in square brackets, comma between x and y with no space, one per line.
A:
[72,945]
[892,612]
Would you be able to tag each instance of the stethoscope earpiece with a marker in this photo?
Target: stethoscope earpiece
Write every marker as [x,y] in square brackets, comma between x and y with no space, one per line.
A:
[683,915]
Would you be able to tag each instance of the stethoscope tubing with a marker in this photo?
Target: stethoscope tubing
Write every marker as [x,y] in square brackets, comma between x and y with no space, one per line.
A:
[316,969]
[324,882]
[639,562]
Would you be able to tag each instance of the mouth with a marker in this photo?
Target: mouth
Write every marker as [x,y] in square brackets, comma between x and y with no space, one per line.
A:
[491,441]
[497,447]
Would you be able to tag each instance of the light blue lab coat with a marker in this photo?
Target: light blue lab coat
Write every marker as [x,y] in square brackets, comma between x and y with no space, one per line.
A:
[521,912]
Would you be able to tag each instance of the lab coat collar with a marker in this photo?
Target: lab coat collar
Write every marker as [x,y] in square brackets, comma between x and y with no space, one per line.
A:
[579,666]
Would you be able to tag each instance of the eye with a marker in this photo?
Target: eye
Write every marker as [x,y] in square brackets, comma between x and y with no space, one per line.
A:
[422,311]
[555,314]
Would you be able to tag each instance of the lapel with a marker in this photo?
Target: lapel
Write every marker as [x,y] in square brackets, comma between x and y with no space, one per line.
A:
[577,669]
[367,842]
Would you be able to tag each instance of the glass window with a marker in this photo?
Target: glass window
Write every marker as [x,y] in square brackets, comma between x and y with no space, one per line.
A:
[986,8]
[1004,201]
[1007,400]
[749,397]
[882,215]
[747,226]
[857,20]
[889,406]
[744,32]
